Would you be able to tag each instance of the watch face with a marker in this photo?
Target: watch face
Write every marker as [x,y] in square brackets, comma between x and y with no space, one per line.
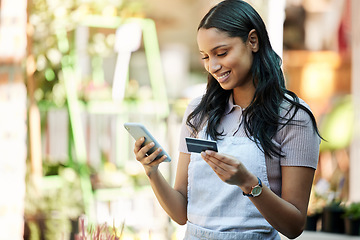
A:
[256,191]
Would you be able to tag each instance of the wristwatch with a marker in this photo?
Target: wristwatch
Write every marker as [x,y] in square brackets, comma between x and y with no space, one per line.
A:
[255,190]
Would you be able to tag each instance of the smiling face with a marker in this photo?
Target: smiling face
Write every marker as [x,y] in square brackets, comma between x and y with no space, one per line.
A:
[227,59]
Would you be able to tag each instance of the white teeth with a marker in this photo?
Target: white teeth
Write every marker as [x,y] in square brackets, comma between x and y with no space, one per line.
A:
[223,76]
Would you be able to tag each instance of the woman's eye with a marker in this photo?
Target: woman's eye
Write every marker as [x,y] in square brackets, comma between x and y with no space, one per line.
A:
[222,54]
[204,57]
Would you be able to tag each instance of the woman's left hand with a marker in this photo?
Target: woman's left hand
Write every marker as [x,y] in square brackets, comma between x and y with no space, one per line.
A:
[228,168]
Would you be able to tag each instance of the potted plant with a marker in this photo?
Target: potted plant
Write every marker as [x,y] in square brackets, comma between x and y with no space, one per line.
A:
[52,204]
[352,219]
[332,218]
[317,203]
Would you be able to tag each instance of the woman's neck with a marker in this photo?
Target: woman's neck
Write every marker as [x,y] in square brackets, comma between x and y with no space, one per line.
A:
[243,95]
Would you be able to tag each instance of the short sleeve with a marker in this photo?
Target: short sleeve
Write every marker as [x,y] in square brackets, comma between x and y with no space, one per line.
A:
[299,141]
[185,129]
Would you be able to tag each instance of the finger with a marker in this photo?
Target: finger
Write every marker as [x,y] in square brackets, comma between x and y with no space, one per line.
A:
[138,144]
[158,161]
[145,149]
[216,158]
[154,155]
[141,151]
[214,163]
[152,158]
[223,158]
[217,169]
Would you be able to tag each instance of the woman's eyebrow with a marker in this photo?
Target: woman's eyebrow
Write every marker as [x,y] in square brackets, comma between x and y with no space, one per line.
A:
[212,50]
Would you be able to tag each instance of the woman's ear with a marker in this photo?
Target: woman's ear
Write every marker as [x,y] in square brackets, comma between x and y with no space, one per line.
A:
[253,40]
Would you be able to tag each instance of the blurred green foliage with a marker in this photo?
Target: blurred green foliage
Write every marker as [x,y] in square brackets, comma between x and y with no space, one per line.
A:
[47,17]
[338,126]
[52,203]
[353,210]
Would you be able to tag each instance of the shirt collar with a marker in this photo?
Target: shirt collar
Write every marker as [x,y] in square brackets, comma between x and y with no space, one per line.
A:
[231,105]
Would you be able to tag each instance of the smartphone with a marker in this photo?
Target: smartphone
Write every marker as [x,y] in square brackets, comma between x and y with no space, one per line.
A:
[199,145]
[138,130]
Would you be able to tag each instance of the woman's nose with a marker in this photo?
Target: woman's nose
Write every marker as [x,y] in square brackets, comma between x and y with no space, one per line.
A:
[214,66]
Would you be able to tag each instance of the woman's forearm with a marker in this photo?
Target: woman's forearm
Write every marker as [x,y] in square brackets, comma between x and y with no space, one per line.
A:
[282,215]
[171,200]
[287,213]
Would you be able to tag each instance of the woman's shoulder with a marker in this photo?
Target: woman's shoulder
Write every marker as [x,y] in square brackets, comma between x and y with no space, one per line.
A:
[186,131]
[286,104]
[298,137]
[289,110]
[193,103]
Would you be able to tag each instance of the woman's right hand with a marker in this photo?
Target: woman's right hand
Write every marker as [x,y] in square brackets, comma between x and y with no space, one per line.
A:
[148,161]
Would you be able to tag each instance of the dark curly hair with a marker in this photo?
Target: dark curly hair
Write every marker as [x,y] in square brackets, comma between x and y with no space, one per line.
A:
[262,117]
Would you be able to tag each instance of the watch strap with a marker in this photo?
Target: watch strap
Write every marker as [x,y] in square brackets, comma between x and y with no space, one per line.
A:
[251,192]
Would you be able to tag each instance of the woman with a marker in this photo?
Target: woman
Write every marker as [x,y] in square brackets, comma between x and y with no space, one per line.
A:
[259,182]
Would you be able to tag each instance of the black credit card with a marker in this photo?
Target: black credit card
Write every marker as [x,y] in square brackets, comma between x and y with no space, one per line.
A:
[199,145]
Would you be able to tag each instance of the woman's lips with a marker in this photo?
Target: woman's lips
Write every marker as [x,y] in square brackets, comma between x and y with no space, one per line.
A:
[223,77]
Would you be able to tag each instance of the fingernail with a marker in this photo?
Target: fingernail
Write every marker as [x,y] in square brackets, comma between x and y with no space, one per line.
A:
[203,154]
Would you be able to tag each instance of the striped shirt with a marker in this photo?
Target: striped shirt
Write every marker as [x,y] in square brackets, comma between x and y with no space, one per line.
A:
[298,141]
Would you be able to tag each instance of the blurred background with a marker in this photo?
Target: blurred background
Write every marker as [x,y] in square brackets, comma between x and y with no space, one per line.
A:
[73,71]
